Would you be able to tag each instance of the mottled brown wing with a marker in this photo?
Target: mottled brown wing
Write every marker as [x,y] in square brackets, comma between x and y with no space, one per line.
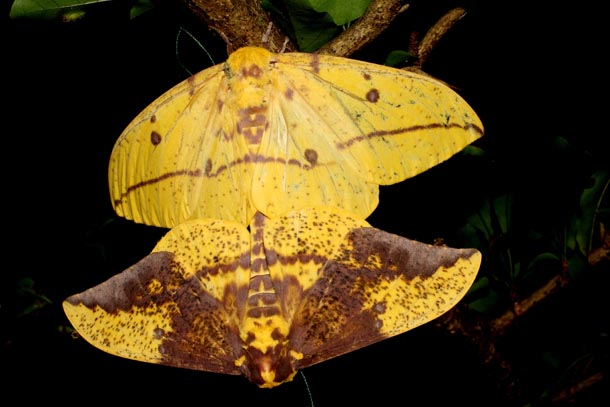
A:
[179,306]
[377,285]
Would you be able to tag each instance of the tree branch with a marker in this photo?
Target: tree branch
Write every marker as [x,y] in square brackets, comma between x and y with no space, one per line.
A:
[244,22]
[435,33]
[240,23]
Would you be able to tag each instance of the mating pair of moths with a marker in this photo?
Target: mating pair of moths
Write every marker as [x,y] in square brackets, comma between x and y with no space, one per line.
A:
[265,167]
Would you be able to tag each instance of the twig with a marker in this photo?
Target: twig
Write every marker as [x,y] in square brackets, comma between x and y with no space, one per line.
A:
[422,49]
[569,393]
[436,32]
[378,16]
[501,324]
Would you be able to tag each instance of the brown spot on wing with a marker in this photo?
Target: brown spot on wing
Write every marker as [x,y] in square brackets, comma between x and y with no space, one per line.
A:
[372,95]
[311,156]
[155,138]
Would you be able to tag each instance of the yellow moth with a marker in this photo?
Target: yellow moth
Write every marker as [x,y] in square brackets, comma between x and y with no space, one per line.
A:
[276,132]
[288,293]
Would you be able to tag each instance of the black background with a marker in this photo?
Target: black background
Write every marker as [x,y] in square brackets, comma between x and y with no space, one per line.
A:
[531,71]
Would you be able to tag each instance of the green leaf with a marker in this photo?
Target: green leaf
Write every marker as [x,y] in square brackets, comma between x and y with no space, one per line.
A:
[307,27]
[141,7]
[312,30]
[398,57]
[492,219]
[543,257]
[515,270]
[472,151]
[577,266]
[560,143]
[481,221]
[33,299]
[487,304]
[481,297]
[582,224]
[479,284]
[72,10]
[67,10]
[540,263]
[500,216]
[341,11]
[312,23]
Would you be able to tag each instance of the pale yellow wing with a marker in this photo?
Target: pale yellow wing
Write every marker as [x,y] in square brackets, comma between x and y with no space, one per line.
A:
[387,124]
[305,167]
[180,158]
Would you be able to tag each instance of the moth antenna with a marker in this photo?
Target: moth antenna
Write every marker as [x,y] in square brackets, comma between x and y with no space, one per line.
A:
[307,387]
[201,46]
